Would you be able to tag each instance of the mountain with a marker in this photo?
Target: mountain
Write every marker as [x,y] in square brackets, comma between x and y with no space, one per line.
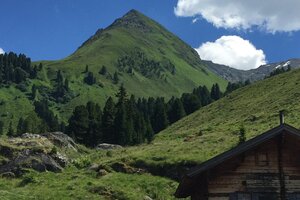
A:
[134,50]
[151,170]
[235,75]
[150,60]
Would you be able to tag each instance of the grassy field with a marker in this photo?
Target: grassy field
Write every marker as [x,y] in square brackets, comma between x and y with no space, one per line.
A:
[207,132]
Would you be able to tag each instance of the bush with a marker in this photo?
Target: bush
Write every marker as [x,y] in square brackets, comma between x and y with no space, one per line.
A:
[28,178]
[82,162]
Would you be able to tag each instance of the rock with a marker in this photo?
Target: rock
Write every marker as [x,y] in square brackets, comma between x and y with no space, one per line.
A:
[31,136]
[8,175]
[106,146]
[94,167]
[60,159]
[29,159]
[102,172]
[147,198]
[33,151]
[61,140]
[122,167]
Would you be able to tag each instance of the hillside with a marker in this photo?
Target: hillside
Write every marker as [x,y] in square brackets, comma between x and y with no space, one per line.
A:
[134,50]
[236,75]
[149,60]
[140,171]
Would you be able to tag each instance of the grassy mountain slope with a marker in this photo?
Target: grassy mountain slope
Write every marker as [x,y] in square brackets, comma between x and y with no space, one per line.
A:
[130,35]
[207,132]
[154,63]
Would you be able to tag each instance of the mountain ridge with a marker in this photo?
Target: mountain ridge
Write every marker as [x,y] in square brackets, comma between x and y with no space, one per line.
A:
[236,75]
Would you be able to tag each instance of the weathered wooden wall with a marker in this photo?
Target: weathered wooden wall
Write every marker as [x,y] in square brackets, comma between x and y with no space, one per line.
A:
[256,171]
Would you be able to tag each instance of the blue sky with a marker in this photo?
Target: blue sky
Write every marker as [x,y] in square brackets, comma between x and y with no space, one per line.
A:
[53,29]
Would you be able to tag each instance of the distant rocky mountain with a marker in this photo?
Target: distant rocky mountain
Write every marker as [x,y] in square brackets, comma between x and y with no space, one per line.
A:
[235,75]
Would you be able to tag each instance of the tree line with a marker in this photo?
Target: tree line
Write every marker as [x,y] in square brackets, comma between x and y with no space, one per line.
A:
[130,120]
[126,120]
[16,68]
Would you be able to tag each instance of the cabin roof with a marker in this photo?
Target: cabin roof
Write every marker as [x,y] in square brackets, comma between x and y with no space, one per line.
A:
[185,187]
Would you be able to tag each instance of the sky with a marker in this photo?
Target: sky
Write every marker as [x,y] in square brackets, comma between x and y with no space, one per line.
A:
[241,34]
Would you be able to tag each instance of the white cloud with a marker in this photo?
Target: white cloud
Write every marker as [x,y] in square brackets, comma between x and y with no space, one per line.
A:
[1,51]
[271,15]
[232,51]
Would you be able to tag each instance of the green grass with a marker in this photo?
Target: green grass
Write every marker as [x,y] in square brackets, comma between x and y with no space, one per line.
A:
[84,184]
[194,139]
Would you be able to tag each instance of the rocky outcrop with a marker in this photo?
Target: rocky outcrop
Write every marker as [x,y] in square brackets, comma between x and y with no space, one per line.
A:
[106,146]
[32,151]
[61,140]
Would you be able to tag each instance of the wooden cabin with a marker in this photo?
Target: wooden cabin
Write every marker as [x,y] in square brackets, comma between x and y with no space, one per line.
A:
[266,167]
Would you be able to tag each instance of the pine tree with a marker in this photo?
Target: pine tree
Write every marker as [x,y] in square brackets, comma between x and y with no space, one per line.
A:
[11,131]
[90,79]
[176,111]
[66,85]
[103,70]
[79,124]
[20,127]
[108,121]
[123,124]
[1,127]
[191,103]
[205,96]
[160,118]
[116,78]
[149,130]
[215,92]
[95,122]
[242,135]
[34,92]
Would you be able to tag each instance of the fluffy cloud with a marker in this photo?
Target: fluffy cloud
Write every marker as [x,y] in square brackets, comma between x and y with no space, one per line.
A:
[271,15]
[1,51]
[233,51]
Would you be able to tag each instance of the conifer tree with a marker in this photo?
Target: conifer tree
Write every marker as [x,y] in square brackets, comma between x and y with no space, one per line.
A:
[90,79]
[242,135]
[215,92]
[20,127]
[79,124]
[191,102]
[94,130]
[1,127]
[149,130]
[116,78]
[103,70]
[176,111]
[11,131]
[108,121]
[34,92]
[160,118]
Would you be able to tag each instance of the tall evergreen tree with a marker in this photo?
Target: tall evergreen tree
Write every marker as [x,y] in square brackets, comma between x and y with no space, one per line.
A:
[191,102]
[103,70]
[116,78]
[242,135]
[90,78]
[108,121]
[11,131]
[160,117]
[21,126]
[95,122]
[176,111]
[215,92]
[79,124]
[1,127]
